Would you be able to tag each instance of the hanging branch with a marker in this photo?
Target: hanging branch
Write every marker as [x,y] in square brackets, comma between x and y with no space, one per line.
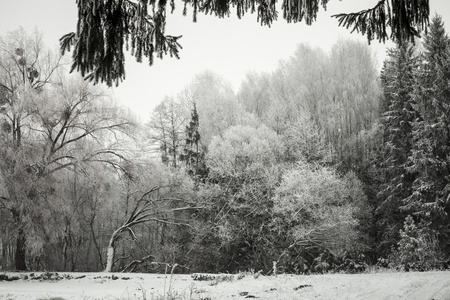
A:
[132,265]
[105,26]
[398,15]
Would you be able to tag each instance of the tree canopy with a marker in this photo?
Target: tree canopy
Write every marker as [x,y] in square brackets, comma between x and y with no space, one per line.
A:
[320,165]
[105,26]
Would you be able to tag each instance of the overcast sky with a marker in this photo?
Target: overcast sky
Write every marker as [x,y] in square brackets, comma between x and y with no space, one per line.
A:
[229,47]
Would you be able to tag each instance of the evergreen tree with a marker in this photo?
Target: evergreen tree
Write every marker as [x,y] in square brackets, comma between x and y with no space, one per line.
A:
[431,136]
[193,155]
[398,81]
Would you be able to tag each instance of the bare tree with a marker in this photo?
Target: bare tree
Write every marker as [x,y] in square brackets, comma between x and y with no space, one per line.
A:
[76,125]
[167,124]
[149,208]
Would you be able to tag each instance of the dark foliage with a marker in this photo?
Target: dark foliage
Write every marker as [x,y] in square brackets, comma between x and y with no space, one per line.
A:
[193,152]
[429,201]
[413,164]
[406,19]
[105,26]
[398,82]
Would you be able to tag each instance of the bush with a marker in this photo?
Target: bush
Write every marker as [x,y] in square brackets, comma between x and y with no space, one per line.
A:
[352,262]
[319,210]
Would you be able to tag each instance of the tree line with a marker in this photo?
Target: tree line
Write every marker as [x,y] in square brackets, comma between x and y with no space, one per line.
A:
[322,164]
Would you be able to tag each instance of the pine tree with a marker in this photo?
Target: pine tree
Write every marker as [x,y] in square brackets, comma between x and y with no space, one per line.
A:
[398,82]
[431,136]
[193,155]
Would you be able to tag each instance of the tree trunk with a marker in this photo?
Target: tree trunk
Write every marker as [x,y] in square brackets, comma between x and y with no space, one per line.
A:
[20,251]
[4,258]
[94,239]
[110,253]
[20,254]
[110,257]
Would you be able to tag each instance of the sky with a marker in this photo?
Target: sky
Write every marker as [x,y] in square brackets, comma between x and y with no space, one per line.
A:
[228,47]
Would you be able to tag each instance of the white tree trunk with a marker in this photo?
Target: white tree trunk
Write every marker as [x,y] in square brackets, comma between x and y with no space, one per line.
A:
[110,253]
[109,259]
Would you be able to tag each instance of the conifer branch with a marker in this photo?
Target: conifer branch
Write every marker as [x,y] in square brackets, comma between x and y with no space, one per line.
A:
[105,26]
[399,16]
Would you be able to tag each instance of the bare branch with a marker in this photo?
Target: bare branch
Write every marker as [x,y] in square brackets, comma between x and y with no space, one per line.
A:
[132,265]
[2,202]
[139,209]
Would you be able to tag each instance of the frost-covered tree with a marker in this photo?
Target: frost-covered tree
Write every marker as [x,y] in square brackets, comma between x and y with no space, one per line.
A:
[216,105]
[26,67]
[49,124]
[352,101]
[243,172]
[336,94]
[316,211]
[166,126]
[304,141]
[254,93]
[244,152]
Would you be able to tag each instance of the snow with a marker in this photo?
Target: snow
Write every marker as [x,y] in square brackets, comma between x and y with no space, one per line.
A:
[102,286]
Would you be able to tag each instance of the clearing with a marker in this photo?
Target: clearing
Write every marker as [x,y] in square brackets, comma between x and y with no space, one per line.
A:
[102,286]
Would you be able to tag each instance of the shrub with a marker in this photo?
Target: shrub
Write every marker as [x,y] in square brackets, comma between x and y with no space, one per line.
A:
[320,212]
[352,262]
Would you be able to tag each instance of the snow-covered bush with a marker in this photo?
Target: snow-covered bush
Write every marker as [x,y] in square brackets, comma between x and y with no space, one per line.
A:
[318,212]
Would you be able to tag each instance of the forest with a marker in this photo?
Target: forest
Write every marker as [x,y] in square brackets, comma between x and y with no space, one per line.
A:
[324,164]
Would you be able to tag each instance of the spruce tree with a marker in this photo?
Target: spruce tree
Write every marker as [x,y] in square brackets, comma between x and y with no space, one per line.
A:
[398,82]
[430,157]
[193,155]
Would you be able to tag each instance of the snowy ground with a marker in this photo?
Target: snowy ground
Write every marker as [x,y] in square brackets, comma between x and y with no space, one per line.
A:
[101,286]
